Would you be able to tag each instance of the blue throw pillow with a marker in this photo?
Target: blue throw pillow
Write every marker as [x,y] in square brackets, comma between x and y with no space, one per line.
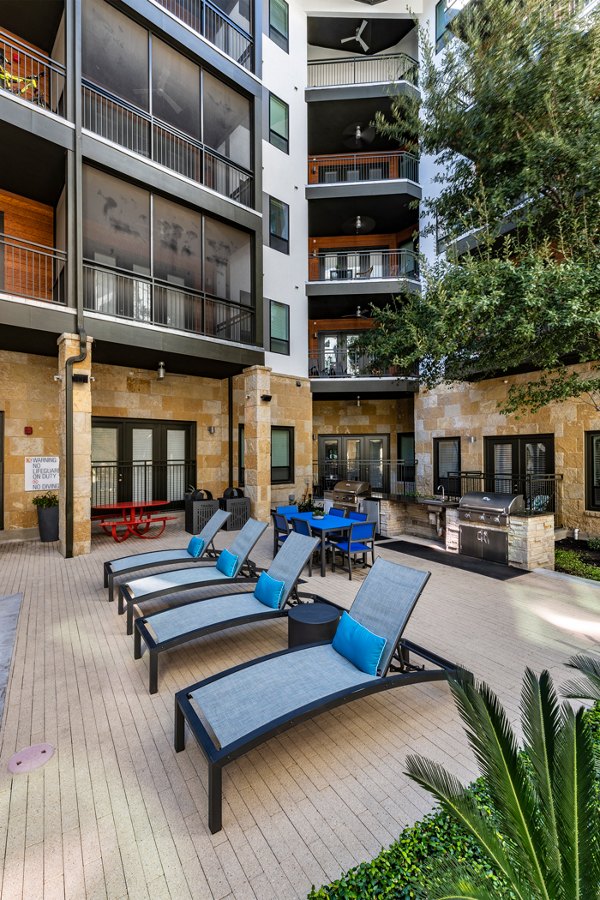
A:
[195,547]
[269,591]
[227,563]
[357,644]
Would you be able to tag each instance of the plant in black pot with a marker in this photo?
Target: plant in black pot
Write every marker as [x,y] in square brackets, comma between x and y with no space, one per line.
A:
[47,510]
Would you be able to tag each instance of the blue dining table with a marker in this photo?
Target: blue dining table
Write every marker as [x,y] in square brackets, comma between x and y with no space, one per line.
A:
[324,526]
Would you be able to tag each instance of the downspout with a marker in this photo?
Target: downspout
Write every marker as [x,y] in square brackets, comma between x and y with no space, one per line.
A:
[230,426]
[69,440]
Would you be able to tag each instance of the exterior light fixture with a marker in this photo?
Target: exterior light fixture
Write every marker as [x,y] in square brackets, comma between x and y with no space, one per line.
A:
[161,371]
[211,429]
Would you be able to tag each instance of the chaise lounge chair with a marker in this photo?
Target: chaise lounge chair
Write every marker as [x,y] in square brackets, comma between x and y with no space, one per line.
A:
[173,627]
[236,710]
[124,565]
[177,581]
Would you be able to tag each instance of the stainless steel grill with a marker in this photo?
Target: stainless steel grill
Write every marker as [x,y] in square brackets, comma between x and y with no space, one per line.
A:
[348,493]
[490,508]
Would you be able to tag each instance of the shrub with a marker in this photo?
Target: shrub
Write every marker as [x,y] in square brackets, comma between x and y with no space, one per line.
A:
[45,500]
[594,543]
[568,561]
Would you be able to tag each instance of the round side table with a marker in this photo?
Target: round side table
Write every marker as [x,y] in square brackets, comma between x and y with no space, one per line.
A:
[311,622]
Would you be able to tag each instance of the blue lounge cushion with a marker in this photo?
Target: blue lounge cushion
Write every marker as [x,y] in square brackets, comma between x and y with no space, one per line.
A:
[227,563]
[269,591]
[358,645]
[195,547]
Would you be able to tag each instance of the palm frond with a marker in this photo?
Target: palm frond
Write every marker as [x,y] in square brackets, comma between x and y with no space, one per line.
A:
[542,719]
[590,688]
[509,783]
[461,806]
[578,818]
[581,689]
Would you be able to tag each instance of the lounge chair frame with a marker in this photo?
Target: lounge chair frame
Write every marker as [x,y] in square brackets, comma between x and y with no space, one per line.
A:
[209,552]
[219,757]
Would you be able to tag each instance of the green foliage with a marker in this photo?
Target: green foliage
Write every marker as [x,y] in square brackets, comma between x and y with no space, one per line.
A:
[594,543]
[587,688]
[511,114]
[569,562]
[45,500]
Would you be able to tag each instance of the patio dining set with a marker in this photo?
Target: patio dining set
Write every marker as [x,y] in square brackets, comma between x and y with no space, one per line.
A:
[333,655]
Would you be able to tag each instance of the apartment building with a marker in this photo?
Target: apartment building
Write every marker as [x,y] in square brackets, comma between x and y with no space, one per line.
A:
[196,218]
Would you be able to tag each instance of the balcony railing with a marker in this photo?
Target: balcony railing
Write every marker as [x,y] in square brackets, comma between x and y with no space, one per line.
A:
[208,20]
[129,127]
[363,265]
[117,293]
[362,70]
[32,270]
[353,167]
[351,364]
[542,492]
[141,482]
[31,76]
[385,475]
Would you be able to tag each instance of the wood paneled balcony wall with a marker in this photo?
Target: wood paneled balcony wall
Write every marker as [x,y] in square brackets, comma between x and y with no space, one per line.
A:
[356,167]
[30,74]
[32,271]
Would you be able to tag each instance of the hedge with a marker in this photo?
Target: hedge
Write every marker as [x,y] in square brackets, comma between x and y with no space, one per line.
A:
[568,561]
[407,867]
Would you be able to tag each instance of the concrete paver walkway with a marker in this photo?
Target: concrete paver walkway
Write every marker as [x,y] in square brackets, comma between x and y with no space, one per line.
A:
[116,813]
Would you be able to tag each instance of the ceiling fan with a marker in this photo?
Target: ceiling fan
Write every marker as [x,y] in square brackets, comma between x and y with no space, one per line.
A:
[359,314]
[357,36]
[356,135]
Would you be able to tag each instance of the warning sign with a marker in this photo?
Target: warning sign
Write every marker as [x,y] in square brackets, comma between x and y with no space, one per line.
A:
[41,473]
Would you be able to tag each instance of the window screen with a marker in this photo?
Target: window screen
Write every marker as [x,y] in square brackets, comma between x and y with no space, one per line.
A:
[175,89]
[226,120]
[114,52]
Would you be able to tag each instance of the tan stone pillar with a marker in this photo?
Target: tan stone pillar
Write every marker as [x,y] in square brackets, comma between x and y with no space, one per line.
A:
[68,345]
[257,439]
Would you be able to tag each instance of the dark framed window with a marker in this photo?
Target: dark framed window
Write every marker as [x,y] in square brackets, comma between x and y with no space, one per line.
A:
[279,23]
[280,327]
[592,470]
[445,12]
[406,456]
[279,123]
[282,454]
[279,225]
[446,464]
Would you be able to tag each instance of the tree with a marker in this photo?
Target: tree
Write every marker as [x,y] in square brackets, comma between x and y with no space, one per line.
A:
[511,113]
[542,838]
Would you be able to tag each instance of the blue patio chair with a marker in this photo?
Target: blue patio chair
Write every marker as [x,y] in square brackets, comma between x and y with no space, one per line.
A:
[281,529]
[287,510]
[301,526]
[357,516]
[236,710]
[337,511]
[359,542]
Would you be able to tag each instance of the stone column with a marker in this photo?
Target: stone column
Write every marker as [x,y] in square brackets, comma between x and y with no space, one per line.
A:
[257,439]
[68,345]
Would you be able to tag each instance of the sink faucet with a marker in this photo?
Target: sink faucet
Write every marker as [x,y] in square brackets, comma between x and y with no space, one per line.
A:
[439,488]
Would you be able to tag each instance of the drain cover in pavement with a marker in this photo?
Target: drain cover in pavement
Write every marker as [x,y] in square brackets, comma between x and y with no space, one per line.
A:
[30,758]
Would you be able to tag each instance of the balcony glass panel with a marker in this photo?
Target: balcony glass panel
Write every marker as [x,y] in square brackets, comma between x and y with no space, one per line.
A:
[116,223]
[175,89]
[115,52]
[227,269]
[226,119]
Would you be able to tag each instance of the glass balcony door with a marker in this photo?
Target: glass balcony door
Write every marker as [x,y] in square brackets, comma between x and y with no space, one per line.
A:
[354,458]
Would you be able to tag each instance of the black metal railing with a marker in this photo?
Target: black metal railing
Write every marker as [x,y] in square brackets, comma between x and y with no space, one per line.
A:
[351,364]
[363,70]
[139,482]
[31,76]
[124,124]
[384,475]
[208,20]
[113,292]
[32,270]
[367,264]
[542,492]
[356,167]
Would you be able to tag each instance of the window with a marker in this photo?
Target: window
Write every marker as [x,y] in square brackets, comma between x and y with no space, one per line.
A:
[241,456]
[279,23]
[280,328]
[282,455]
[279,123]
[279,231]
[592,470]
[226,117]
[446,462]
[445,12]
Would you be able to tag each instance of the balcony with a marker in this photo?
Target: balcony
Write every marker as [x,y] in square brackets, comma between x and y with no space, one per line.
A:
[116,293]
[355,70]
[207,20]
[342,372]
[357,167]
[365,270]
[31,76]
[123,124]
[32,271]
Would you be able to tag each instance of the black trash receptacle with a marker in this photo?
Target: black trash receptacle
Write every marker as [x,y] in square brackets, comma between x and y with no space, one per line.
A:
[234,502]
[199,507]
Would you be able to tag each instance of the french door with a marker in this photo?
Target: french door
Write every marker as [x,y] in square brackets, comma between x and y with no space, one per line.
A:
[519,464]
[354,458]
[142,460]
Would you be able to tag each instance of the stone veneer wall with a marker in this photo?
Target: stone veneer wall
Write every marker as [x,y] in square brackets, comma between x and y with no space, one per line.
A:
[371,417]
[462,410]
[530,540]
[28,397]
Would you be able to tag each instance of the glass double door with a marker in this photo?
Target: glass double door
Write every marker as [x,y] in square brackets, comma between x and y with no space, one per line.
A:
[141,460]
[354,458]
[519,464]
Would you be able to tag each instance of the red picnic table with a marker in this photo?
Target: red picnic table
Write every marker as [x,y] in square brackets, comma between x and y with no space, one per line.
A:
[136,518]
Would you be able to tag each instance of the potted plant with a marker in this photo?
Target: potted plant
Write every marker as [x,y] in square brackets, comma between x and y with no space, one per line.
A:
[47,510]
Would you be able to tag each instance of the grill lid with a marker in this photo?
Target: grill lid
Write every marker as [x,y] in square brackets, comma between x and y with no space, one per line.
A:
[490,502]
[352,487]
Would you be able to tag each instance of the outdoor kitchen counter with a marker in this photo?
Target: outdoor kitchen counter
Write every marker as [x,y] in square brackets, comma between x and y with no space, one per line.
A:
[419,516]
